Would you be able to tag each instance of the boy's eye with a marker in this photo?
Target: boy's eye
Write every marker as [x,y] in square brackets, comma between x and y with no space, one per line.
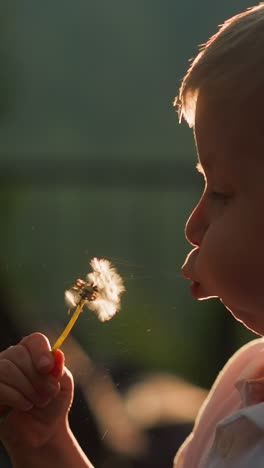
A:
[218,195]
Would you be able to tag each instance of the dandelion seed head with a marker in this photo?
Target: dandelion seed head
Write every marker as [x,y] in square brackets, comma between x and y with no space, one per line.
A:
[102,290]
[70,298]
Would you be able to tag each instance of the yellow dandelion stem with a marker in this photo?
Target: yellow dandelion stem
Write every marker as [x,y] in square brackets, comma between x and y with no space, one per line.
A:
[69,326]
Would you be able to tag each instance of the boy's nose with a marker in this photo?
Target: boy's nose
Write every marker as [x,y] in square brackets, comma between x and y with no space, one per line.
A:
[196,226]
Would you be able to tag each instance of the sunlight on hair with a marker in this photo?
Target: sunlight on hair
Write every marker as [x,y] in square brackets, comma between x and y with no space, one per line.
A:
[185,104]
[219,71]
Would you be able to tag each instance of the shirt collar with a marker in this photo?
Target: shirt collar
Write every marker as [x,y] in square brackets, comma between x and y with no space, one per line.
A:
[250,382]
[251,391]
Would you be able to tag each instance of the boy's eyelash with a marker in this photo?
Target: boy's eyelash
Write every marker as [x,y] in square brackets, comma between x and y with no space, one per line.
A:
[218,195]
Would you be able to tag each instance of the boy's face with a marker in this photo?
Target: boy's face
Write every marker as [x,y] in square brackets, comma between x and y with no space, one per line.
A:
[227,225]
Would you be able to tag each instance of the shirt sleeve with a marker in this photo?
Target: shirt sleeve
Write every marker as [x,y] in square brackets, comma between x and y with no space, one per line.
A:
[239,440]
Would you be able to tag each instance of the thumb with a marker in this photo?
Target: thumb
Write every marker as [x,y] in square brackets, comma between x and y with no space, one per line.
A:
[58,367]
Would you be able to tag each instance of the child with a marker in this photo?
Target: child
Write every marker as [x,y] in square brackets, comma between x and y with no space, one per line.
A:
[222,98]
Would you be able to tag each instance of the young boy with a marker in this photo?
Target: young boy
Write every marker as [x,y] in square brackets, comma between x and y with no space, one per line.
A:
[222,98]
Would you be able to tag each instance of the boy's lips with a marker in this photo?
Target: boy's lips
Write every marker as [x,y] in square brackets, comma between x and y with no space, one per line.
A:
[187,268]
[198,290]
[187,271]
[195,290]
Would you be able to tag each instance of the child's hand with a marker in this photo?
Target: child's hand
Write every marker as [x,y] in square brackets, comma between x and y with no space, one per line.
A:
[38,390]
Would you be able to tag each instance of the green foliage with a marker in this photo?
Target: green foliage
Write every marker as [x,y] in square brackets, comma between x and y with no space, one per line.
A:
[94,163]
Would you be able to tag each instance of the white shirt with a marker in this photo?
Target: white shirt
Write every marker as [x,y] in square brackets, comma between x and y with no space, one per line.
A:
[229,430]
[239,440]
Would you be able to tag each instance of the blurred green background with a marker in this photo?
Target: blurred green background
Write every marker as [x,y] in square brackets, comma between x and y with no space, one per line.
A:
[93,162]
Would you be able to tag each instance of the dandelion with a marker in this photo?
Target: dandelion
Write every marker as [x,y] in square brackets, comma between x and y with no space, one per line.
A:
[100,293]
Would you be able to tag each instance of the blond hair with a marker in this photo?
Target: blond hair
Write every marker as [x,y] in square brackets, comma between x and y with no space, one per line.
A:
[229,67]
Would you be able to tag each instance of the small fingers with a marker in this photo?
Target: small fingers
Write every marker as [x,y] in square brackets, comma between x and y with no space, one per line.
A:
[11,376]
[44,360]
[39,349]
[12,398]
[58,357]
[30,364]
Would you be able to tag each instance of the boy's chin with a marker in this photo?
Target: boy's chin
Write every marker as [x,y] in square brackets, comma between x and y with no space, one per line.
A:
[205,298]
[200,292]
[242,316]
[247,319]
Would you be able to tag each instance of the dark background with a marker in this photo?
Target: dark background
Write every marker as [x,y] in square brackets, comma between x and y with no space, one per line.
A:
[93,162]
